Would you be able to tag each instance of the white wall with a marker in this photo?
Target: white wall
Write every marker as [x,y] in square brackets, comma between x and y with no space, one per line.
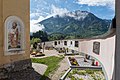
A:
[61,45]
[106,55]
[58,45]
[48,44]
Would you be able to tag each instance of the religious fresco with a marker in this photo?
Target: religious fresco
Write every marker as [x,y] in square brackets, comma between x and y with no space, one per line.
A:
[14,36]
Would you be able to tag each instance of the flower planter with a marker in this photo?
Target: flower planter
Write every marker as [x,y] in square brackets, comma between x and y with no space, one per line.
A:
[72,61]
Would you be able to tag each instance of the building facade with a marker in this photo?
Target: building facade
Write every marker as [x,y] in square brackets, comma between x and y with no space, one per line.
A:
[15,63]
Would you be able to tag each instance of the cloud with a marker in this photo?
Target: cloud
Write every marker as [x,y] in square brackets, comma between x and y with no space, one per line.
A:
[33,15]
[108,3]
[37,17]
[34,27]
[58,11]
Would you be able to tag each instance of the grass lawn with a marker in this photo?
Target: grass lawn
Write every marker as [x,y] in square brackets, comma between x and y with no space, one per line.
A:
[52,63]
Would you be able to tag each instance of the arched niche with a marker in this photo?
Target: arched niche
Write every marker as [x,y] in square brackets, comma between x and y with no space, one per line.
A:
[14,36]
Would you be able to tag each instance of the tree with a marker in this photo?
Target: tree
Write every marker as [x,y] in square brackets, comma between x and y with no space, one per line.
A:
[37,40]
[41,35]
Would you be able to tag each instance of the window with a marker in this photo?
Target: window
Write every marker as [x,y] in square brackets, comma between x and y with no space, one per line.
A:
[71,42]
[65,43]
[55,43]
[76,44]
[59,42]
[14,35]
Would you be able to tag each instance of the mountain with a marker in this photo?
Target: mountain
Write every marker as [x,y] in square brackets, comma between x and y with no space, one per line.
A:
[77,24]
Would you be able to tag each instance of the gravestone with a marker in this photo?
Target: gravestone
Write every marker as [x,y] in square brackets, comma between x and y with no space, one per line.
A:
[15,63]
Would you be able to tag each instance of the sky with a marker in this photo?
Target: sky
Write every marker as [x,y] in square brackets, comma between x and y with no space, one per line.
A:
[43,9]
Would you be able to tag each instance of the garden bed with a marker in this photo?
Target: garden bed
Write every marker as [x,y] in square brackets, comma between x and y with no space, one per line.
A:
[72,61]
[88,74]
[80,62]
[36,53]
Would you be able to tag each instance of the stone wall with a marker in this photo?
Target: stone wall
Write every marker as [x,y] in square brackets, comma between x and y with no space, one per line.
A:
[19,70]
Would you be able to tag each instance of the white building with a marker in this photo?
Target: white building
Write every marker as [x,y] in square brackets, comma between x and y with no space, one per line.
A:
[102,49]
